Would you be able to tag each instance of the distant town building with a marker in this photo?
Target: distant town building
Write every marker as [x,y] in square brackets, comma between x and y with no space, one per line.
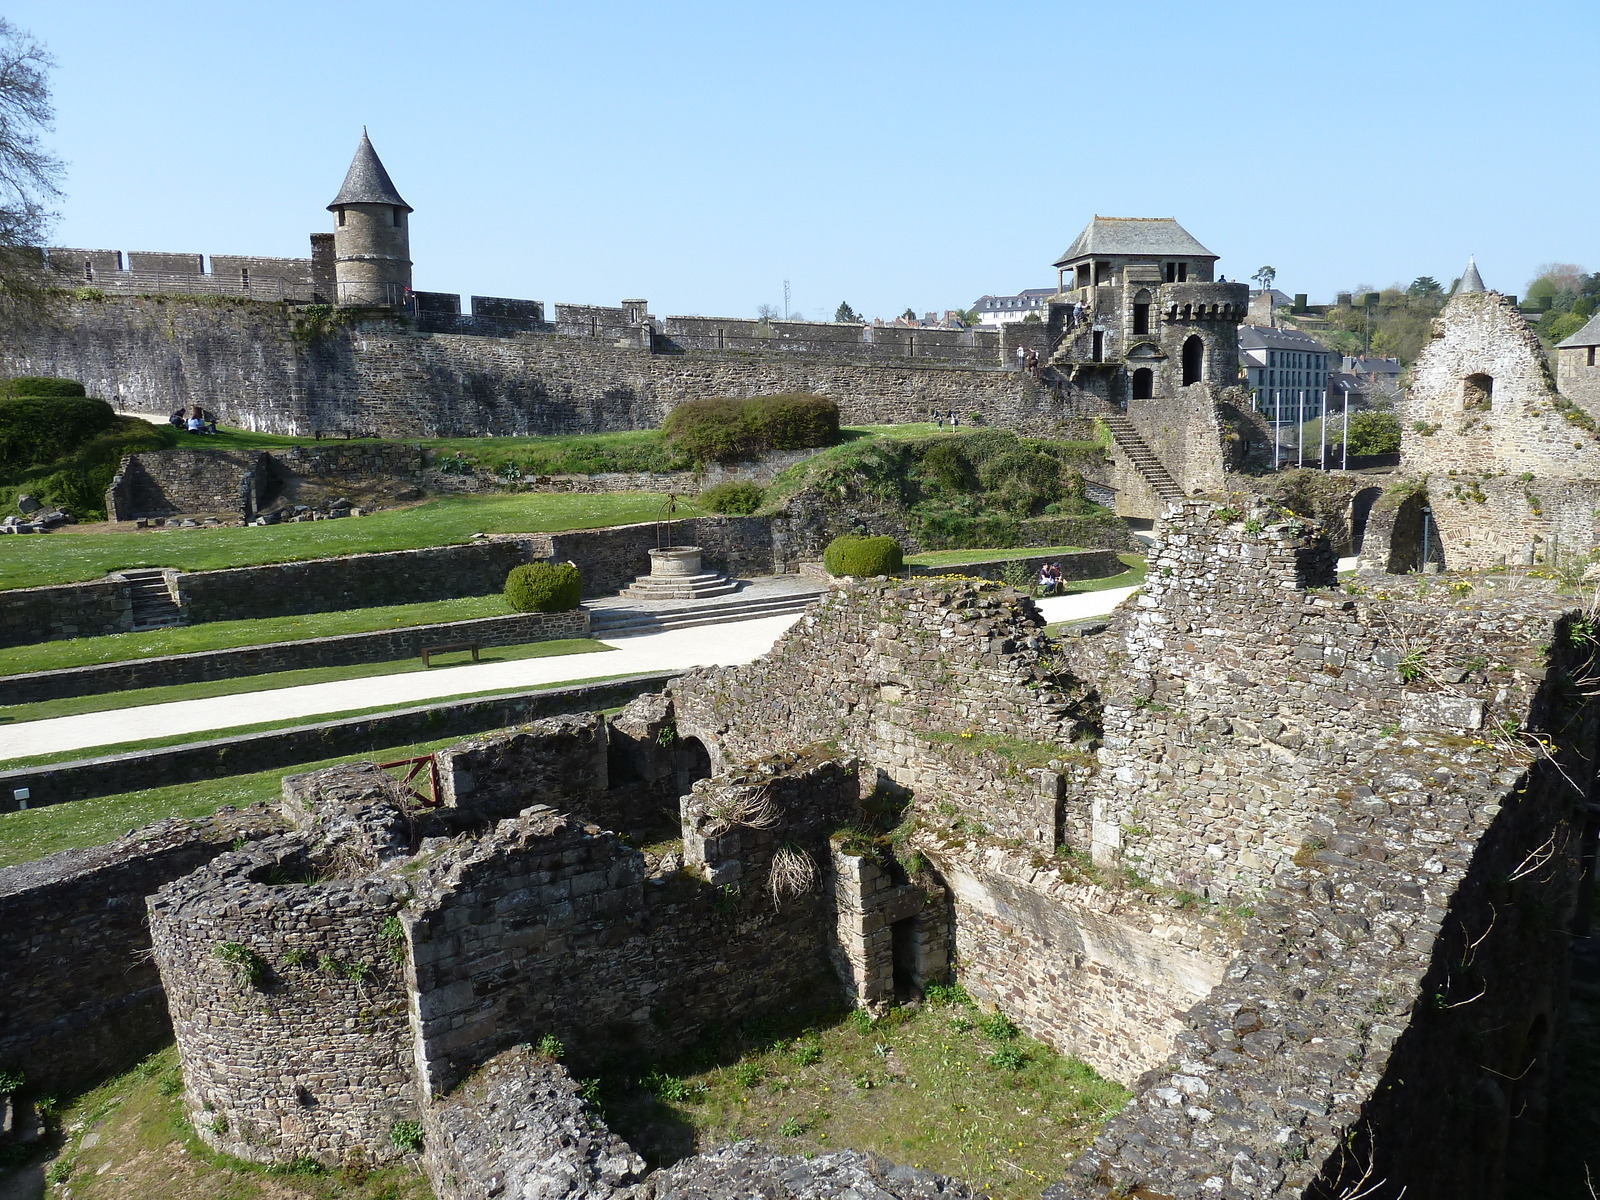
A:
[995,311]
[1286,372]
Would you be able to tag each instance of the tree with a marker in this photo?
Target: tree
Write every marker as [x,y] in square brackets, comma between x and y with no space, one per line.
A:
[966,317]
[29,175]
[1370,432]
[1265,276]
[1425,285]
[767,312]
[909,314]
[844,313]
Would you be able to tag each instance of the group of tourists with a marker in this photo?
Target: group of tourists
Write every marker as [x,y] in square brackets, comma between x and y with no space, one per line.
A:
[1028,360]
[195,420]
[1050,579]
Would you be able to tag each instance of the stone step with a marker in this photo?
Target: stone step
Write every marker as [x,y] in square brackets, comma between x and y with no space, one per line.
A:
[616,623]
[664,589]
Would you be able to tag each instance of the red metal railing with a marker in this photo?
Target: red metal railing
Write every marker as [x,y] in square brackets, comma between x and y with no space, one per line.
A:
[415,767]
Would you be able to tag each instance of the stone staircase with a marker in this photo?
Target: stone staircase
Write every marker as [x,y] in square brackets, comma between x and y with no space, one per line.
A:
[680,587]
[1139,453]
[610,619]
[153,605]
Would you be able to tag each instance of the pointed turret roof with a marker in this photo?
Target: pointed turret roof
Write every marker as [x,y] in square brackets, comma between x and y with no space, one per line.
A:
[367,182]
[1471,281]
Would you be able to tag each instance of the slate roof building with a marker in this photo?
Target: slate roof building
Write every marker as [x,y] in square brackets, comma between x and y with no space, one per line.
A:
[995,311]
[1107,244]
[1578,368]
[1286,370]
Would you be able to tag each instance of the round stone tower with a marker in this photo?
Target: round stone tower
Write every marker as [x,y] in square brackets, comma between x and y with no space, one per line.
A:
[371,234]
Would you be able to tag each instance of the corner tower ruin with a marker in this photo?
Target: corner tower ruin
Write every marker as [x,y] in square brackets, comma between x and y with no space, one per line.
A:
[372,234]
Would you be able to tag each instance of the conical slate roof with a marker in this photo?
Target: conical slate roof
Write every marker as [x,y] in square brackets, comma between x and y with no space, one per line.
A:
[367,182]
[1471,281]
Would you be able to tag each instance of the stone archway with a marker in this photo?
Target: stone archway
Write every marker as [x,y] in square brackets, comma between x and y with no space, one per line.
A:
[1144,383]
[1360,509]
[1194,359]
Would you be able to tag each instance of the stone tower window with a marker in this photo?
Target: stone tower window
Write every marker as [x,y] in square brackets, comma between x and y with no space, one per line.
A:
[1144,383]
[1194,360]
[244,277]
[88,269]
[1477,391]
[397,216]
[1099,345]
[341,217]
[1591,356]
[1141,311]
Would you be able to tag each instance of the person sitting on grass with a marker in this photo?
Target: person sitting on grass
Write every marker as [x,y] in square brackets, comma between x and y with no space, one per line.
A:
[1047,585]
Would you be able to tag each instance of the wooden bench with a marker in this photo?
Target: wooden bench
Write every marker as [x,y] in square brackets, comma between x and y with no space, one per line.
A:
[449,648]
[346,434]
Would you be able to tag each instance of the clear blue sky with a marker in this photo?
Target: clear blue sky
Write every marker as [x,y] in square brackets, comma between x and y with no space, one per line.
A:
[889,154]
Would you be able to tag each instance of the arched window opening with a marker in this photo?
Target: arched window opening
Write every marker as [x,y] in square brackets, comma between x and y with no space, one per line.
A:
[694,764]
[1194,360]
[1477,391]
[1144,383]
[1141,311]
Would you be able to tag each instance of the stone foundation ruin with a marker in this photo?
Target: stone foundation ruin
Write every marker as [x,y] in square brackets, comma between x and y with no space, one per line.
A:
[1300,866]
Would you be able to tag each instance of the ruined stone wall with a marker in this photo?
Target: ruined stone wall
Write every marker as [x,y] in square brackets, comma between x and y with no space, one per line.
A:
[163,483]
[1578,375]
[1243,700]
[570,934]
[1522,426]
[288,999]
[559,762]
[1489,520]
[1104,974]
[82,997]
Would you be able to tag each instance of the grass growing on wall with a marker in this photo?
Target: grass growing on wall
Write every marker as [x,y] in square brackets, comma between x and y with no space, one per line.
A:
[70,557]
[142,1145]
[945,1086]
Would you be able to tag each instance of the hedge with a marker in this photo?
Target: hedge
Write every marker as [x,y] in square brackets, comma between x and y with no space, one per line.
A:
[722,428]
[544,587]
[40,385]
[734,499]
[863,556]
[35,430]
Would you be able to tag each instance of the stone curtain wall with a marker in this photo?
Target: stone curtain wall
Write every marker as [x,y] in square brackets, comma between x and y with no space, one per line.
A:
[312,1056]
[1106,973]
[384,645]
[47,614]
[81,996]
[242,361]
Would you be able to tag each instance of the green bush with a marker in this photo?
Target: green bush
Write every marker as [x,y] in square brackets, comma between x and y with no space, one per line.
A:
[945,467]
[35,430]
[1372,432]
[1021,481]
[41,386]
[544,587]
[863,556]
[722,428]
[736,499]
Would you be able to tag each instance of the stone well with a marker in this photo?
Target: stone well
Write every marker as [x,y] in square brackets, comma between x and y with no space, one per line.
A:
[676,573]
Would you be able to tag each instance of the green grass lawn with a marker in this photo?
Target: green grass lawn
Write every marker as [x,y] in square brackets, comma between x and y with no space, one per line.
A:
[945,1087]
[72,556]
[956,558]
[226,635]
[73,705]
[130,1137]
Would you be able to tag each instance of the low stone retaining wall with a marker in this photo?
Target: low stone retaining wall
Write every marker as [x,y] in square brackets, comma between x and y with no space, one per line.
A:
[383,645]
[48,614]
[1074,564]
[245,753]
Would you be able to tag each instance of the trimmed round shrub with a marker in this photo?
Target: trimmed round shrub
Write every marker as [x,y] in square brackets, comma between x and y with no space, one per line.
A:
[40,385]
[724,428]
[734,499]
[544,587]
[863,556]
